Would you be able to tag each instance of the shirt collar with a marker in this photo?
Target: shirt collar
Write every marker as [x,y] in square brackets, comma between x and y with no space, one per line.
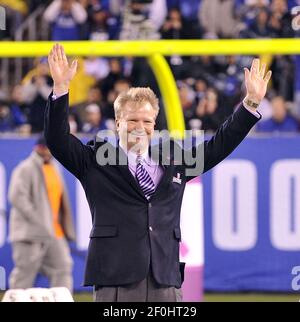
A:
[132,155]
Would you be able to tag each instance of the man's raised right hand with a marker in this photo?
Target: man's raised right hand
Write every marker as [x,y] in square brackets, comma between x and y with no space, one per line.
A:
[61,72]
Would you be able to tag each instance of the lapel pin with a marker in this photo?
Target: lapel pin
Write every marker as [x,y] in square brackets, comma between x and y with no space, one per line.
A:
[177,178]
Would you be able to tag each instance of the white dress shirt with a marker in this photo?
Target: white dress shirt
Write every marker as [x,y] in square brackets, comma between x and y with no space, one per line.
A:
[152,167]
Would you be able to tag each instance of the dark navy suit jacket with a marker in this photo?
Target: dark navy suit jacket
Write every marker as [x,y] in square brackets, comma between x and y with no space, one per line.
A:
[130,234]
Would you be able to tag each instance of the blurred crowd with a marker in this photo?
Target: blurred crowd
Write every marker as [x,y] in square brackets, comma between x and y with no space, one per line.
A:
[210,87]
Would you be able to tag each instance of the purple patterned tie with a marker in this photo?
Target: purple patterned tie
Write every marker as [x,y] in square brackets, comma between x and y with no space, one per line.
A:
[144,179]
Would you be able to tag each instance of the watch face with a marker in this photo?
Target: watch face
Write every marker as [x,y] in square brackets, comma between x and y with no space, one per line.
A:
[252,104]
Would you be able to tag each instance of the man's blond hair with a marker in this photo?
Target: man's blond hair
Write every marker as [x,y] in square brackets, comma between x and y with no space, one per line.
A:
[138,96]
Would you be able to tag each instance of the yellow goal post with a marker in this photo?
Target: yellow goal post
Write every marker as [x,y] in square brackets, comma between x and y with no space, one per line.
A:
[155,52]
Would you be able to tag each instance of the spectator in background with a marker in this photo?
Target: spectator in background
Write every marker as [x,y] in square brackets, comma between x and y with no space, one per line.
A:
[74,123]
[136,20]
[228,80]
[65,17]
[95,95]
[97,67]
[19,110]
[110,23]
[11,117]
[174,27]
[265,19]
[158,12]
[17,100]
[281,120]
[203,67]
[187,100]
[200,88]
[98,26]
[265,108]
[141,19]
[142,74]
[281,19]
[36,87]
[260,27]
[40,222]
[283,76]
[80,86]
[93,120]
[208,112]
[246,11]
[113,21]
[120,85]
[115,73]
[217,18]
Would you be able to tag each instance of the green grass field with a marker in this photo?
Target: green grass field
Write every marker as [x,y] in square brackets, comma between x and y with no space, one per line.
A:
[219,297]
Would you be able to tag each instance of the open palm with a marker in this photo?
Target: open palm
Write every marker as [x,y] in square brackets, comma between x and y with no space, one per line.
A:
[256,81]
[60,70]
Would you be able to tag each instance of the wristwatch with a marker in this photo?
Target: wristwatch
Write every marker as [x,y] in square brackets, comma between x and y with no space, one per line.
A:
[251,103]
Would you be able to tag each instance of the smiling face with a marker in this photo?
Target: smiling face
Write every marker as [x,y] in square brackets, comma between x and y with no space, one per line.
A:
[135,111]
[135,125]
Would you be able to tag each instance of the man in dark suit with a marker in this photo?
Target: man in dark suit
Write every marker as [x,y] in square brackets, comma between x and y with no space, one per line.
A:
[133,253]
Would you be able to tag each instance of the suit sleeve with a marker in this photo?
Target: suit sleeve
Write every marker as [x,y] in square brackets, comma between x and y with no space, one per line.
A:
[65,147]
[229,135]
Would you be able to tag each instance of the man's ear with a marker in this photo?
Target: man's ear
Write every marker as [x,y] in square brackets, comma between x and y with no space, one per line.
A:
[117,121]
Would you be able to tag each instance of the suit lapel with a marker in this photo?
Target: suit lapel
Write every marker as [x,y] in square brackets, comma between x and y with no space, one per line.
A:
[165,162]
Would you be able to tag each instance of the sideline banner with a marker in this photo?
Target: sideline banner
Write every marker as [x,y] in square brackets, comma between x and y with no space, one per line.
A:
[252,217]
